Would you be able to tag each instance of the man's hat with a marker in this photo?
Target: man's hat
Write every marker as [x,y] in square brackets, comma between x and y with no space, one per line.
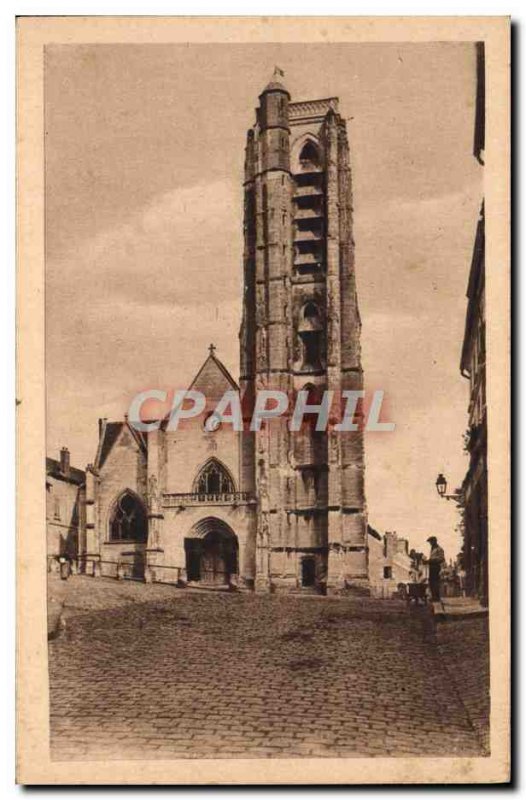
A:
[432,539]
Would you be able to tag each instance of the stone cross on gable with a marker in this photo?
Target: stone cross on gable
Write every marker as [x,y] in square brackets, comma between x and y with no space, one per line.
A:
[212,349]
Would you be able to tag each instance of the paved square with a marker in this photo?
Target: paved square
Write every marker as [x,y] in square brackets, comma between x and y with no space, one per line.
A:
[150,671]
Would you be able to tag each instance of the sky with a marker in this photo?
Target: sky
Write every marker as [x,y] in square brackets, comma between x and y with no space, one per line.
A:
[144,169]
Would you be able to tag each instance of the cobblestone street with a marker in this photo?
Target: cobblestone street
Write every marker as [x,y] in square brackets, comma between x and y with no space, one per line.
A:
[154,672]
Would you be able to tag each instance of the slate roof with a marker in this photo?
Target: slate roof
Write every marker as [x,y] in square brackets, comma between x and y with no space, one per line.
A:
[76,476]
[371,531]
[110,433]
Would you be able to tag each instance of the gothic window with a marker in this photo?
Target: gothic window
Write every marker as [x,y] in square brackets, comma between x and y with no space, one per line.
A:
[214,479]
[128,520]
[309,157]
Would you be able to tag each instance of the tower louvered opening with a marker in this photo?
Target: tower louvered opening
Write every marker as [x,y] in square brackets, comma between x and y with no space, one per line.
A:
[309,226]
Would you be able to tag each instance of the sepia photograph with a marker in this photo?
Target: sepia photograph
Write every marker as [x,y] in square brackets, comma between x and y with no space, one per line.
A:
[267,530]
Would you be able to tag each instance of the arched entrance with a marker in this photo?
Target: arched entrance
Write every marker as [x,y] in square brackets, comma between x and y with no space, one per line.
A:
[211,553]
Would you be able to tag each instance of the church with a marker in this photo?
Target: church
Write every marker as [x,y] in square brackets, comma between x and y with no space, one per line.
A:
[268,510]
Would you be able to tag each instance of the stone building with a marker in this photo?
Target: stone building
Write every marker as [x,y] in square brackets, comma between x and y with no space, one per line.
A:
[64,508]
[474,556]
[301,330]
[166,505]
[475,484]
[390,562]
[271,509]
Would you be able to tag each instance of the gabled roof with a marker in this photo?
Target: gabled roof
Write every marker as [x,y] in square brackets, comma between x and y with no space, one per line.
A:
[110,432]
[211,364]
[212,379]
[53,470]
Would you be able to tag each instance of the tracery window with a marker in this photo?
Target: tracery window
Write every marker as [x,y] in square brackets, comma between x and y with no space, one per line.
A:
[128,520]
[214,479]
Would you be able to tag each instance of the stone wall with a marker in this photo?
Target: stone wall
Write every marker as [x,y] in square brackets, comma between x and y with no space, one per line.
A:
[124,468]
[63,517]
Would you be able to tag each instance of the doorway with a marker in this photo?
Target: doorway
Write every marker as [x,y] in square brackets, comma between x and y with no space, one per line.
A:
[218,559]
[308,571]
[212,553]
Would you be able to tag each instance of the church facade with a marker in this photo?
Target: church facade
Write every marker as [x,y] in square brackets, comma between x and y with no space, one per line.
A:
[270,509]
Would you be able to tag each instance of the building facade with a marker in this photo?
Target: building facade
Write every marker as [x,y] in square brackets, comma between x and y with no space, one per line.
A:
[65,508]
[474,555]
[475,485]
[390,563]
[166,505]
[269,509]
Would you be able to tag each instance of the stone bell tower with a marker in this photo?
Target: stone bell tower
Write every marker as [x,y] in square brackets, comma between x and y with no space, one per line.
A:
[301,330]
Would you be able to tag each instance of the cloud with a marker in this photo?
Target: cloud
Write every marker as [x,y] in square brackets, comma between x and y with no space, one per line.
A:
[136,305]
[414,255]
[184,244]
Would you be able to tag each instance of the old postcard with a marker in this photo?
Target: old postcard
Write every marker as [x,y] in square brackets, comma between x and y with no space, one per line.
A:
[263,400]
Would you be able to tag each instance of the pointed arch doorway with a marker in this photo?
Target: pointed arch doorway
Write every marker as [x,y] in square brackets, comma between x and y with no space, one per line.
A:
[211,550]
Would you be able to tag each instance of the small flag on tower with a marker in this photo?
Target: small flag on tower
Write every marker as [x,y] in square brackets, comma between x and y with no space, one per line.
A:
[278,72]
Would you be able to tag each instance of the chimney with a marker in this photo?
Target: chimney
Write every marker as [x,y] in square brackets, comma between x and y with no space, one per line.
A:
[390,544]
[64,461]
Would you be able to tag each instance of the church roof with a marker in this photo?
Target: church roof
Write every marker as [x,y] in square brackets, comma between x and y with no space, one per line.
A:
[206,372]
[109,434]
[212,378]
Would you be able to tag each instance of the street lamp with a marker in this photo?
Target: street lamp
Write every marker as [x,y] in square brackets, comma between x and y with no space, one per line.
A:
[441,484]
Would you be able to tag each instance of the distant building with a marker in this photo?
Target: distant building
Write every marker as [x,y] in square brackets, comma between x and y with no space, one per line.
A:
[475,484]
[390,562]
[65,486]
[449,581]
[474,554]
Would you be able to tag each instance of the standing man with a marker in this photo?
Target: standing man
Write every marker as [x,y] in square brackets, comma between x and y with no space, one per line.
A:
[435,561]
